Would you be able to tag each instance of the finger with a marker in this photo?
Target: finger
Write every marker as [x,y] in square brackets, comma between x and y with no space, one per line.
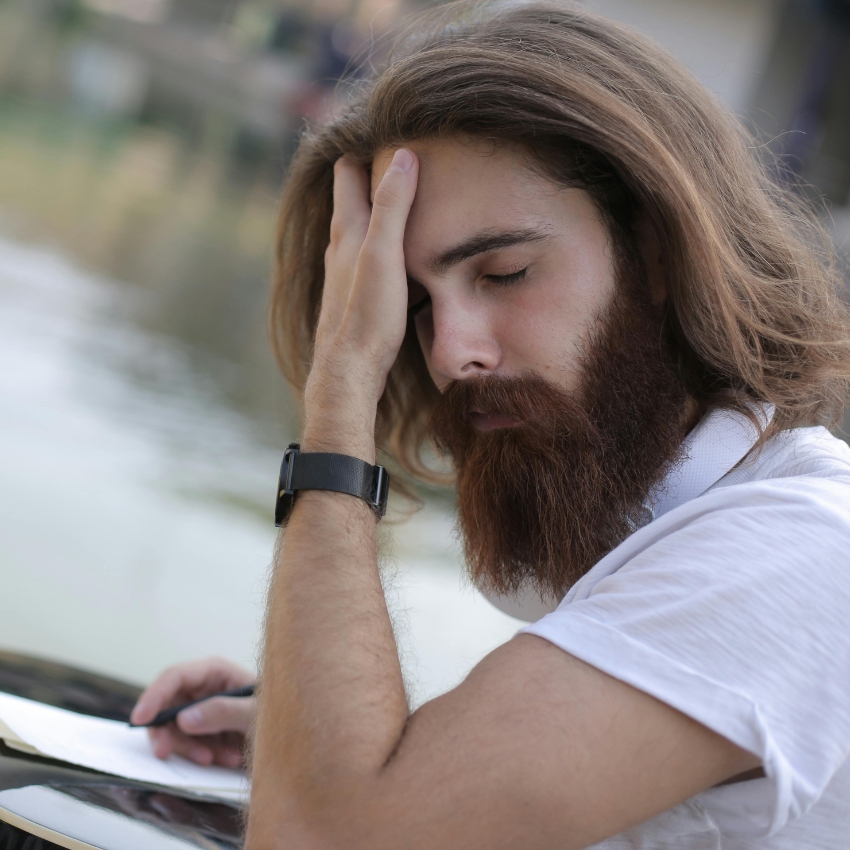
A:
[229,756]
[187,681]
[392,201]
[195,751]
[221,714]
[165,689]
[168,740]
[225,749]
[161,742]
[351,201]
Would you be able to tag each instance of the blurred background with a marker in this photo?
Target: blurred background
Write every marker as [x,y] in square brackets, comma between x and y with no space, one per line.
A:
[142,419]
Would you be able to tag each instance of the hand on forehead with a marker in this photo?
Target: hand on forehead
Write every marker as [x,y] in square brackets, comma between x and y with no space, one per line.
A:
[468,187]
[443,162]
[513,266]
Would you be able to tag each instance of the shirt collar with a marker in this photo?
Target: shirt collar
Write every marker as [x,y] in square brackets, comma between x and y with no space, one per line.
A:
[719,441]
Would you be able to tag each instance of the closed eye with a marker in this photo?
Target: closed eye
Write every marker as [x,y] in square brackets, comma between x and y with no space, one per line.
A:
[498,279]
[507,279]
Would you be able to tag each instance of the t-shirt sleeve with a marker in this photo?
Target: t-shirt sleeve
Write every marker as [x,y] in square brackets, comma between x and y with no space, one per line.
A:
[734,610]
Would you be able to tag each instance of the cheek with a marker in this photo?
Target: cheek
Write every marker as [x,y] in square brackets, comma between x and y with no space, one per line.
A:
[545,327]
[541,341]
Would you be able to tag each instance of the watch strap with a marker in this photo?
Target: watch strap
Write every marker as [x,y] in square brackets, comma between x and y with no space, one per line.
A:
[329,471]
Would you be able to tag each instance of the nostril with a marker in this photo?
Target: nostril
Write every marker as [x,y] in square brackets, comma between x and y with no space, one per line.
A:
[477,365]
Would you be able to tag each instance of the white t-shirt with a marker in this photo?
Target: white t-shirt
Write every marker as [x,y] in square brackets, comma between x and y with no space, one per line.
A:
[733,606]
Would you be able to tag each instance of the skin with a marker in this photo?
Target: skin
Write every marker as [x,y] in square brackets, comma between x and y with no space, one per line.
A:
[535,749]
[214,732]
[476,323]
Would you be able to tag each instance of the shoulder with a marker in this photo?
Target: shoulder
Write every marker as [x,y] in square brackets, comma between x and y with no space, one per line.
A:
[793,517]
[765,524]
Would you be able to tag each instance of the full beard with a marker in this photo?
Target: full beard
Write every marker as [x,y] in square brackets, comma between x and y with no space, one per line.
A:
[541,502]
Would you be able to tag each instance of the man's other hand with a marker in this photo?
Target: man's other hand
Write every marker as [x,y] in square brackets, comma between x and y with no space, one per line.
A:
[212,732]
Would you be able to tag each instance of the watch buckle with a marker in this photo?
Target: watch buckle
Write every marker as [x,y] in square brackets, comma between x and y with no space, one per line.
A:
[382,489]
[289,456]
[285,493]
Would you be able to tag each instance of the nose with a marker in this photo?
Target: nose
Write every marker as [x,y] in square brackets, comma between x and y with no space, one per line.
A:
[458,341]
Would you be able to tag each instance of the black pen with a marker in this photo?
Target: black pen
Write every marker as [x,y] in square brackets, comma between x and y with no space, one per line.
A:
[169,714]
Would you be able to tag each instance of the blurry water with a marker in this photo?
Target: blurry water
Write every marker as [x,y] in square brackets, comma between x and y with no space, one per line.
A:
[135,516]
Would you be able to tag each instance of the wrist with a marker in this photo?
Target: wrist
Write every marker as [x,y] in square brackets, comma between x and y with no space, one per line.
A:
[341,441]
[339,417]
[348,432]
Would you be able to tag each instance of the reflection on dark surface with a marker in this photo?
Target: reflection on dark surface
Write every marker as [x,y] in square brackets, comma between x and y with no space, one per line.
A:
[117,818]
[199,822]
[206,824]
[67,687]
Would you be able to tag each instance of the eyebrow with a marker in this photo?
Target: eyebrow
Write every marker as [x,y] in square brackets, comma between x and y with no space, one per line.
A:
[481,243]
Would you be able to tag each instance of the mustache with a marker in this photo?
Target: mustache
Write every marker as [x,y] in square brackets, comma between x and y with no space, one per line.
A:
[528,398]
[543,500]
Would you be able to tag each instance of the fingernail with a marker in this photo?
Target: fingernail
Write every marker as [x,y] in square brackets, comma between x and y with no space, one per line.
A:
[192,717]
[403,159]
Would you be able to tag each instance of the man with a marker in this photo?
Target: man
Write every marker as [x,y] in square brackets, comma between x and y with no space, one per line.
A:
[576,278]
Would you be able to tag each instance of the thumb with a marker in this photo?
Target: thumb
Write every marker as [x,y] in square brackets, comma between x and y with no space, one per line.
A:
[221,714]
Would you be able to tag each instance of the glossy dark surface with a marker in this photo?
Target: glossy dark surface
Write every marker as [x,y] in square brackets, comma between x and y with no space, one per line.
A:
[123,817]
[66,687]
[176,816]
[106,811]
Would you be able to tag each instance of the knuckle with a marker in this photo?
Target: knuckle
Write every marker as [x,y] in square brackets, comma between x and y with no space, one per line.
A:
[229,714]
[386,196]
[370,253]
[214,708]
[225,708]
[172,676]
[337,230]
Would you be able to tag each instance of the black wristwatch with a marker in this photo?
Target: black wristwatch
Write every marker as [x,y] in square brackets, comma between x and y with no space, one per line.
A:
[328,471]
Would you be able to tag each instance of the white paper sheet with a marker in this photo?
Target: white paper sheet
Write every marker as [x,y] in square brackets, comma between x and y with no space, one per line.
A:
[111,747]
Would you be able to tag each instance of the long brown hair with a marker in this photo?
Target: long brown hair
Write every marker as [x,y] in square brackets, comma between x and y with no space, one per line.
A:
[754,309]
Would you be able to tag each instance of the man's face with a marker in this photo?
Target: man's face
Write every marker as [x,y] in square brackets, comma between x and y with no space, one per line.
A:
[560,404]
[507,271]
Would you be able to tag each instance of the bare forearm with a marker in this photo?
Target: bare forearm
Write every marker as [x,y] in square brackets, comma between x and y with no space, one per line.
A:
[332,706]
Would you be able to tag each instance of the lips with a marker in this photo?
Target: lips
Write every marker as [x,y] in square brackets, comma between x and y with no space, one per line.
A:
[492,421]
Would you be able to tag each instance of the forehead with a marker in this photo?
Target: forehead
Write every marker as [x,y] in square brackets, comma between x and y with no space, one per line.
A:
[467,186]
[457,154]
[448,166]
